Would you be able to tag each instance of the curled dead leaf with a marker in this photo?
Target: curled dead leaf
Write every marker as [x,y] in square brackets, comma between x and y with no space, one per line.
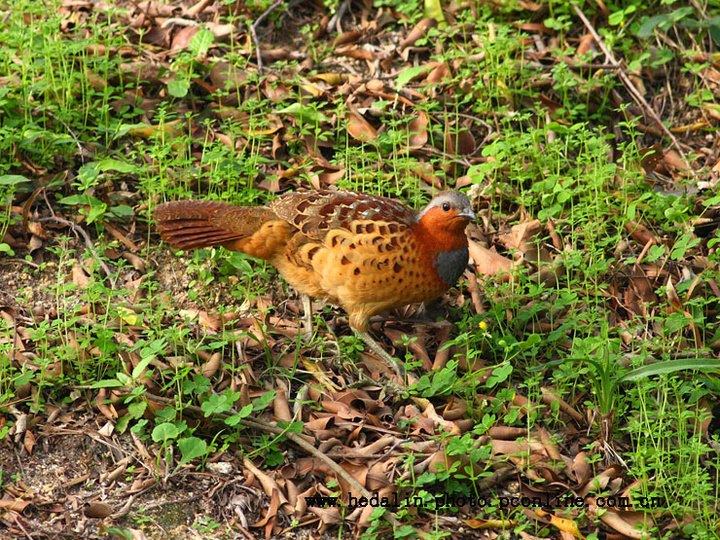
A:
[359,128]
[490,263]
[417,32]
[417,130]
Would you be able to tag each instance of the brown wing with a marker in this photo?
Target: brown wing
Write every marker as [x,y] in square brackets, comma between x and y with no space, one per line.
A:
[315,213]
[358,250]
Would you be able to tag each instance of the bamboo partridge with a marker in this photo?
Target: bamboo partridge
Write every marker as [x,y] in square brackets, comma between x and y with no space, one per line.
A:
[362,252]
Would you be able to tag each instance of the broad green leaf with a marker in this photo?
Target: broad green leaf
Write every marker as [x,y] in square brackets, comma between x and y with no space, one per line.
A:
[235,419]
[12,179]
[108,383]
[308,115]
[178,89]
[670,366]
[409,74]
[201,42]
[648,27]
[165,432]
[111,164]
[191,447]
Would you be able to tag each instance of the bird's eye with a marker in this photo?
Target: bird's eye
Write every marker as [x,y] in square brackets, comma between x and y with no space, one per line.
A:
[446,207]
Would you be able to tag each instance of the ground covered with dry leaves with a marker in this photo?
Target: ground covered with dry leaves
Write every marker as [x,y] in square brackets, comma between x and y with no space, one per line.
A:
[567,388]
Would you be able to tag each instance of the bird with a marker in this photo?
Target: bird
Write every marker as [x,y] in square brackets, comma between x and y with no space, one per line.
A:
[365,253]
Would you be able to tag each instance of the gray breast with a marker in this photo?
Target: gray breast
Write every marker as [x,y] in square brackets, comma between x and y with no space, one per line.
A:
[451,264]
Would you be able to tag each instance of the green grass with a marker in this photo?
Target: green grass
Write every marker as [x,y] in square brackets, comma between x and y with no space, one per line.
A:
[86,124]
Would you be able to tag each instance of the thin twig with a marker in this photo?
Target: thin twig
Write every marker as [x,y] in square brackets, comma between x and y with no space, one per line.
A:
[19,261]
[253,32]
[334,22]
[637,96]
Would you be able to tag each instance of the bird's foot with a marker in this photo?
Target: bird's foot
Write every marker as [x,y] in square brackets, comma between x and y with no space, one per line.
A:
[375,347]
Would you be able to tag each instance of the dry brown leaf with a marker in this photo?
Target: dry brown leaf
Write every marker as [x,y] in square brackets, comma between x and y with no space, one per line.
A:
[439,73]
[106,409]
[281,407]
[673,159]
[581,468]
[490,263]
[347,37]
[226,76]
[181,40]
[548,397]
[626,523]
[97,510]
[641,233]
[455,409]
[417,130]
[417,32]
[16,505]
[462,143]
[357,52]
[79,277]
[359,128]
[211,367]
[501,524]
[507,433]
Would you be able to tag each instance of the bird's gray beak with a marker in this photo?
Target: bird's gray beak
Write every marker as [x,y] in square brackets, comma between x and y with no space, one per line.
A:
[468,214]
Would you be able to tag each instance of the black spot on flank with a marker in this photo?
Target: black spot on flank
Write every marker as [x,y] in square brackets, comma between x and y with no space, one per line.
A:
[399,281]
[322,226]
[381,248]
[359,229]
[376,239]
[334,241]
[356,271]
[305,228]
[345,260]
[326,210]
[397,268]
[394,241]
[312,252]
[352,246]
[298,219]
[302,206]
[394,227]
[370,228]
[382,229]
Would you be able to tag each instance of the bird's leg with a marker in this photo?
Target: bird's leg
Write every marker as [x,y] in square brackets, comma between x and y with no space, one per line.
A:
[307,317]
[382,353]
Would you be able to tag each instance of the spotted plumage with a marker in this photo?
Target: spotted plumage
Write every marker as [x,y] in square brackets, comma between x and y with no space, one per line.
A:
[363,252]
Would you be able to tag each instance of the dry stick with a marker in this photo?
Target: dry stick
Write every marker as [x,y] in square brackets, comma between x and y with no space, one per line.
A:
[334,22]
[253,32]
[637,96]
[299,441]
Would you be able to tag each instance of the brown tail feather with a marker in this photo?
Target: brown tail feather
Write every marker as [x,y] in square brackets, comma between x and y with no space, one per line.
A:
[198,224]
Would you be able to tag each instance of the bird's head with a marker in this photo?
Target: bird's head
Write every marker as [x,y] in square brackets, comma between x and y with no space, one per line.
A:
[444,219]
